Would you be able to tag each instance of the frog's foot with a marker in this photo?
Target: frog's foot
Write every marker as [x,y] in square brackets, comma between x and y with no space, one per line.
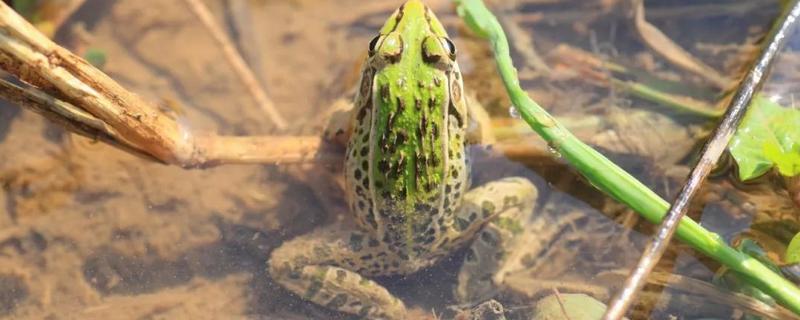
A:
[507,202]
[482,263]
[317,267]
[339,126]
[479,128]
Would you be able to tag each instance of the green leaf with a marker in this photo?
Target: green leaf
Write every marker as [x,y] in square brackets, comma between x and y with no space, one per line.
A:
[793,251]
[769,136]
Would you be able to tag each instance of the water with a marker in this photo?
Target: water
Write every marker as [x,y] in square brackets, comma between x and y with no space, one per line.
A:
[514,113]
[88,231]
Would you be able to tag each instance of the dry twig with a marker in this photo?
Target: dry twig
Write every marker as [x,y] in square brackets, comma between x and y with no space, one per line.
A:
[86,101]
[236,61]
[663,45]
[561,303]
[524,45]
[66,115]
[33,58]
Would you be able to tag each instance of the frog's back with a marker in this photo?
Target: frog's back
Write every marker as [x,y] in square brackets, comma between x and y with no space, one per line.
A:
[406,165]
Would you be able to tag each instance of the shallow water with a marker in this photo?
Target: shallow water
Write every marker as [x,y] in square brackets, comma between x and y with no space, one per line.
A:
[88,231]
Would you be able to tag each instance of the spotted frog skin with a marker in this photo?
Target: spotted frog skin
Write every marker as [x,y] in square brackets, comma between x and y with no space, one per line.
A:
[407,179]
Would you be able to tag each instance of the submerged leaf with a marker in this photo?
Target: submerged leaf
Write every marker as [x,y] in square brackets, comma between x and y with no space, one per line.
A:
[571,306]
[793,250]
[769,136]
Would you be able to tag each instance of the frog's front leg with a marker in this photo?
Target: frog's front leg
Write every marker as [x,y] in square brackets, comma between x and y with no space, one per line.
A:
[340,122]
[505,204]
[479,128]
[327,267]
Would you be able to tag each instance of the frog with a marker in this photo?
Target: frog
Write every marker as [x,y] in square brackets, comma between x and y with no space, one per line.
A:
[407,180]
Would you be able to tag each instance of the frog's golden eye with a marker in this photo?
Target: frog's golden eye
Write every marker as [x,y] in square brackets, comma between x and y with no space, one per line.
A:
[450,47]
[372,44]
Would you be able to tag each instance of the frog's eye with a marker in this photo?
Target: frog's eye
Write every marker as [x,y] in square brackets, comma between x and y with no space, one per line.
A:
[450,47]
[372,44]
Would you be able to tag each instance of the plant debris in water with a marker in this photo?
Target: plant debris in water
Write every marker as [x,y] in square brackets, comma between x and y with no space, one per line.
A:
[769,137]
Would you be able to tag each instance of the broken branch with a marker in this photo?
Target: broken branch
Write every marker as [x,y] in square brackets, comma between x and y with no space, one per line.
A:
[73,93]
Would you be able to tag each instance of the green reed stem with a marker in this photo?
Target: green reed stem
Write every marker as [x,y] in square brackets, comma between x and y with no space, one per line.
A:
[608,177]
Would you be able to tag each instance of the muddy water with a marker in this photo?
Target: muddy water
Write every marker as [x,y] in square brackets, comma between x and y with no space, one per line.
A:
[90,232]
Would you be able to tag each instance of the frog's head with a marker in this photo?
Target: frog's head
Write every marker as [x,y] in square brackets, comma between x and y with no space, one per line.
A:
[412,142]
[412,35]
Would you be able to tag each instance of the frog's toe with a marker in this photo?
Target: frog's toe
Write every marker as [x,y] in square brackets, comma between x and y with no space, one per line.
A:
[507,202]
[338,129]
[482,262]
[479,129]
[313,267]
[342,290]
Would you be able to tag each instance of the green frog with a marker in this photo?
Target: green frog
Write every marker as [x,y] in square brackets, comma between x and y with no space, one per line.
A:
[407,178]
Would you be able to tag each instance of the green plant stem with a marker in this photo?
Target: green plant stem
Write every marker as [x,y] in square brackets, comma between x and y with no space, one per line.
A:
[608,177]
[645,92]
